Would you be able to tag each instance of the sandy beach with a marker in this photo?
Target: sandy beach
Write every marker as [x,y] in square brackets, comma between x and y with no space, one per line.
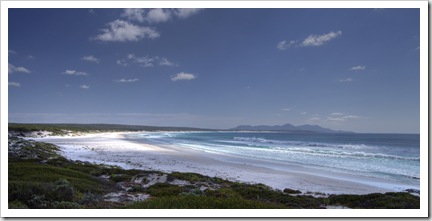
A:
[115,149]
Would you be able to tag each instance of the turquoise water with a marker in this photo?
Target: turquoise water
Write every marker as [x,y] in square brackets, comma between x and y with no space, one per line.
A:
[394,157]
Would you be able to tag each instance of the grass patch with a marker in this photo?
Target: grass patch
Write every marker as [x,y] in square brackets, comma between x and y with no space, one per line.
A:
[397,200]
[263,193]
[37,173]
[164,189]
[196,178]
[35,185]
[191,177]
[201,202]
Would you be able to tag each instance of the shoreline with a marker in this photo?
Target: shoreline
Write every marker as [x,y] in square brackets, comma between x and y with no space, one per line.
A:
[114,148]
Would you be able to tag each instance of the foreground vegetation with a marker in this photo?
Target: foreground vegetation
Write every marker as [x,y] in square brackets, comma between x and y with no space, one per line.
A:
[40,178]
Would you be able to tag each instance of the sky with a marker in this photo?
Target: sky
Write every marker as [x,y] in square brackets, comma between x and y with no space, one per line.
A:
[344,69]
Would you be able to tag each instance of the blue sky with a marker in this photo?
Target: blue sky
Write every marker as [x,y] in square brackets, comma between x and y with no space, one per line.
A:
[346,69]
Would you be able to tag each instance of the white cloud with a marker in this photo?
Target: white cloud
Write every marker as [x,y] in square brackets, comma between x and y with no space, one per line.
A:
[283,45]
[311,40]
[91,58]
[287,109]
[186,12]
[358,68]
[317,40]
[165,62]
[346,80]
[14,84]
[183,76]
[122,31]
[337,114]
[134,14]
[84,86]
[157,15]
[341,117]
[126,80]
[12,52]
[122,62]
[145,61]
[74,72]
[314,119]
[303,113]
[12,69]
[336,117]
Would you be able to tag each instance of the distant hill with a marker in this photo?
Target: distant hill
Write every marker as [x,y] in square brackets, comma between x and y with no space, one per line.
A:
[288,127]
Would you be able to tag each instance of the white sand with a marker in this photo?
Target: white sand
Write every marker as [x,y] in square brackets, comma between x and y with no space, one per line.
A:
[114,149]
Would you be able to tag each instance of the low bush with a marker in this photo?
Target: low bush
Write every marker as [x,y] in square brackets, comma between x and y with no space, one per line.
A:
[191,177]
[201,202]
[17,205]
[164,189]
[399,200]
[120,178]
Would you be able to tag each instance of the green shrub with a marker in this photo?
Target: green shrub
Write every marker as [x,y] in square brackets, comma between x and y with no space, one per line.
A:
[63,191]
[223,193]
[38,202]
[90,199]
[17,205]
[264,193]
[201,202]
[399,200]
[291,191]
[36,173]
[65,205]
[191,177]
[164,189]
[120,178]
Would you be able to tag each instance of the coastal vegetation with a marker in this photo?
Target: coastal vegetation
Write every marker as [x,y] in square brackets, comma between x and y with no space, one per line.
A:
[41,178]
[63,129]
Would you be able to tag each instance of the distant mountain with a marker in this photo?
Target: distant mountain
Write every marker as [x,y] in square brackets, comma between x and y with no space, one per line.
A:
[288,127]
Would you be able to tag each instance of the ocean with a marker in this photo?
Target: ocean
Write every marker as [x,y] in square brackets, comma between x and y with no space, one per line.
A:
[393,157]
